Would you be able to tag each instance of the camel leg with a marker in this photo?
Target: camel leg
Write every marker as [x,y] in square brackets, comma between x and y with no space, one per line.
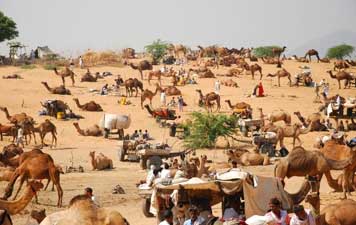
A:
[261,75]
[339,84]
[54,139]
[141,74]
[73,81]
[136,91]
[63,81]
[22,180]
[48,181]
[56,180]
[279,81]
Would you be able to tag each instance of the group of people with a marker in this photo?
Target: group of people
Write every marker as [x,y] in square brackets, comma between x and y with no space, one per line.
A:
[173,103]
[138,135]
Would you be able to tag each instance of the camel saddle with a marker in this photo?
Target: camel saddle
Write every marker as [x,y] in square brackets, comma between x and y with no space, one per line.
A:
[3,215]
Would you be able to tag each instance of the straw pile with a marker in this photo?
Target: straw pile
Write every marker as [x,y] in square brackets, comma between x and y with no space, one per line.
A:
[92,58]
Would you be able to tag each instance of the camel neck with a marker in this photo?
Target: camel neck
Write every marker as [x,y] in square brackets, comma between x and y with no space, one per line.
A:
[16,206]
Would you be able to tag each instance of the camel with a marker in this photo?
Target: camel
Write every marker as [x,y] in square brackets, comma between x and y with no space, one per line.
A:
[170,90]
[90,131]
[341,64]
[270,60]
[253,68]
[162,113]
[240,107]
[313,199]
[148,94]
[47,127]
[128,53]
[157,74]
[325,60]
[340,213]
[178,51]
[109,122]
[314,120]
[6,173]
[90,106]
[7,130]
[35,166]
[233,72]
[312,52]
[11,150]
[334,151]
[13,76]
[61,90]
[249,158]
[301,162]
[208,99]
[65,73]
[16,206]
[82,210]
[88,77]
[351,62]
[229,83]
[278,51]
[342,75]
[132,84]
[100,162]
[301,59]
[276,115]
[281,73]
[17,118]
[141,66]
[292,131]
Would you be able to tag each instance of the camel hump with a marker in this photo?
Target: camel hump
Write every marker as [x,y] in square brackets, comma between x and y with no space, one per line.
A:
[338,165]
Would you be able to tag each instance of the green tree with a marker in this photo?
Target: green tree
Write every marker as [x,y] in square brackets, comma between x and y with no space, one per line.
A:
[264,51]
[207,127]
[340,51]
[8,29]
[157,49]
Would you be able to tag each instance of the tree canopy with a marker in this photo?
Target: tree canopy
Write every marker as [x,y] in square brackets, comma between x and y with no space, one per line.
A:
[157,49]
[340,51]
[8,29]
[264,51]
[207,127]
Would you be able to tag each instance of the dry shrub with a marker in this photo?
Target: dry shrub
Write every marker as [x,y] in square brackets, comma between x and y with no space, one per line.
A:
[92,58]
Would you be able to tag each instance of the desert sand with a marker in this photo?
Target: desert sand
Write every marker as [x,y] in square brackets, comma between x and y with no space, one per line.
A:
[25,96]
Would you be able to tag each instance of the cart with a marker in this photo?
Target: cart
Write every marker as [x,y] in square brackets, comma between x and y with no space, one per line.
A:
[249,125]
[266,143]
[146,194]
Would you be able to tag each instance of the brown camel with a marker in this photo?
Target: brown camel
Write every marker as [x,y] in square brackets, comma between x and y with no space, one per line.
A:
[312,52]
[61,90]
[170,90]
[249,158]
[90,106]
[88,77]
[253,68]
[334,151]
[277,52]
[325,60]
[16,118]
[9,130]
[276,115]
[208,99]
[241,107]
[301,162]
[36,166]
[11,150]
[148,94]
[313,199]
[270,60]
[281,73]
[16,206]
[157,74]
[6,173]
[340,64]
[128,53]
[340,213]
[47,127]
[82,210]
[342,75]
[100,162]
[65,73]
[292,131]
[90,131]
[141,66]
[233,72]
[132,84]
[28,130]
[178,51]
[301,59]
[229,83]
[314,120]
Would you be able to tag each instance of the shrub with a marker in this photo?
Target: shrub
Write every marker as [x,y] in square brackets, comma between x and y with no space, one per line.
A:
[50,66]
[28,67]
[340,51]
[157,50]
[264,51]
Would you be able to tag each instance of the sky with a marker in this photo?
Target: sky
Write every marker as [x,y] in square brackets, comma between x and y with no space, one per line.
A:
[70,27]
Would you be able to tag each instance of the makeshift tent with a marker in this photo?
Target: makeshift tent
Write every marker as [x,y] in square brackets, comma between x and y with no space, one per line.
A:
[44,51]
[257,190]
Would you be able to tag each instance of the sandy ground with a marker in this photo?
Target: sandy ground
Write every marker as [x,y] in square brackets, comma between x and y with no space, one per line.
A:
[25,96]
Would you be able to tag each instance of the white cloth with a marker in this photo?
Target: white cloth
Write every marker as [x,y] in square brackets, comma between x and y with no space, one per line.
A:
[309,221]
[163,98]
[165,173]
[164,222]
[230,213]
[272,217]
[329,109]
[258,220]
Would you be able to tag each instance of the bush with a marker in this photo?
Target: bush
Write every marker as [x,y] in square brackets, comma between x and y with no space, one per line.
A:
[207,127]
[50,66]
[264,51]
[340,51]
[28,67]
[157,50]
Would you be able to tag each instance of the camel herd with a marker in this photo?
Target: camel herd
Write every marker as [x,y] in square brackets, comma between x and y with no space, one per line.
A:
[29,166]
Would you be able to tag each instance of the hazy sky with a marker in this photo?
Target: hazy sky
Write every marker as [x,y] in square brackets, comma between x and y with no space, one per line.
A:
[71,26]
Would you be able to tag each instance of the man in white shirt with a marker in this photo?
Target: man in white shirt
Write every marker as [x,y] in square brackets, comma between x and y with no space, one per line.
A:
[168,218]
[163,98]
[165,173]
[302,217]
[195,219]
[217,87]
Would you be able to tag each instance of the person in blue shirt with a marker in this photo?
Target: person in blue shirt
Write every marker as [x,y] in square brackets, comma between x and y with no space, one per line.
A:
[195,219]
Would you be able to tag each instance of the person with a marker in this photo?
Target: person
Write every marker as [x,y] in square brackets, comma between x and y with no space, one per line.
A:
[233,164]
[232,209]
[276,214]
[195,219]
[81,63]
[146,136]
[172,103]
[163,98]
[302,216]
[326,89]
[134,135]
[217,87]
[180,103]
[32,55]
[165,172]
[71,64]
[140,136]
[104,90]
[19,138]
[123,100]
[89,192]
[168,218]
[260,90]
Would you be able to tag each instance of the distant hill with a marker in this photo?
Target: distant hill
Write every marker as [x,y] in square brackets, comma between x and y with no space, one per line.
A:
[323,43]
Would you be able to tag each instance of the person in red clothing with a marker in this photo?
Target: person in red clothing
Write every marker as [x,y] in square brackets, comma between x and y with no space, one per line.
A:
[260,90]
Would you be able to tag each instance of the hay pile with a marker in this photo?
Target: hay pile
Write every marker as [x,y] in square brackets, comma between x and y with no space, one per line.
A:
[92,58]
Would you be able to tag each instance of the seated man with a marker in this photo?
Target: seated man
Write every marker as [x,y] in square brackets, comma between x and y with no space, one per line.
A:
[231,210]
[302,216]
[195,219]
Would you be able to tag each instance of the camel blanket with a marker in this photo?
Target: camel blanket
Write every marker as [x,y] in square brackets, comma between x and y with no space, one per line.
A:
[257,198]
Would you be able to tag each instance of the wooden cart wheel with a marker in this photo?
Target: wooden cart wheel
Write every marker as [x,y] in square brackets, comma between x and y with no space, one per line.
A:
[146,207]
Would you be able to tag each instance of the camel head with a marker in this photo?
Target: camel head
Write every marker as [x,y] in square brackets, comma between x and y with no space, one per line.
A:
[227,100]
[92,154]
[35,185]
[198,90]
[297,113]
[146,106]
[44,82]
